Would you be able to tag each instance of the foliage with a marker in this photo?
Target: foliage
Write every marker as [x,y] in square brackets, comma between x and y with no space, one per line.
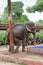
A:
[22,19]
[29,36]
[31,9]
[4,18]
[2,36]
[40,33]
[17,10]
[22,63]
[0,20]
[39,23]
[16,7]
[37,7]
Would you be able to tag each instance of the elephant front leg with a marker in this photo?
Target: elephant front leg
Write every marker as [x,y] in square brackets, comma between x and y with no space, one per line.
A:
[23,44]
[23,48]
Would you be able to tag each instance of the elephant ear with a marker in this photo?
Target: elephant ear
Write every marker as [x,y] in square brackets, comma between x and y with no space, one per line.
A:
[31,24]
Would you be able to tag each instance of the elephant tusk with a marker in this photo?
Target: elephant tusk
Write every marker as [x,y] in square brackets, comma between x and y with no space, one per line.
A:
[28,29]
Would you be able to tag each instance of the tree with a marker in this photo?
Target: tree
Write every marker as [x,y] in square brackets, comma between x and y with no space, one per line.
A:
[40,33]
[39,23]
[37,7]
[4,18]
[0,20]
[22,19]
[17,10]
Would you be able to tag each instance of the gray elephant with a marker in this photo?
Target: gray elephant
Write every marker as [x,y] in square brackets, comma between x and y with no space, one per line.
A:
[19,36]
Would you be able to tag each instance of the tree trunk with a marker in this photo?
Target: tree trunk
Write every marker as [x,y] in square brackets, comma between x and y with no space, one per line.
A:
[10,27]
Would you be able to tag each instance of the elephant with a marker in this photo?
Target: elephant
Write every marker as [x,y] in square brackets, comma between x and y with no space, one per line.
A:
[19,36]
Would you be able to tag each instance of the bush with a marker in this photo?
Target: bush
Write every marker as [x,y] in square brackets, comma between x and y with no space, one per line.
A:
[2,36]
[29,36]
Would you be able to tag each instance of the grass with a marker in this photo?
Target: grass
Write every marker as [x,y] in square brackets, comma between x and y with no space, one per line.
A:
[22,63]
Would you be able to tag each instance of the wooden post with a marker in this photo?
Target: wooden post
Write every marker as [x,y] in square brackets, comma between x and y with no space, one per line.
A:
[9,7]
[34,35]
[10,27]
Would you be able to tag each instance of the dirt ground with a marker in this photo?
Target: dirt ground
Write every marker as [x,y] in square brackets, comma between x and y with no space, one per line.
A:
[19,57]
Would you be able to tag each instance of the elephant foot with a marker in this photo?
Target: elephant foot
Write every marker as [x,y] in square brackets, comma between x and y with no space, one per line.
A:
[23,50]
[12,52]
[16,51]
[11,49]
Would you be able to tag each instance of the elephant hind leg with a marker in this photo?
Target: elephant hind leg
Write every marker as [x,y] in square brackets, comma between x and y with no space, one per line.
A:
[11,49]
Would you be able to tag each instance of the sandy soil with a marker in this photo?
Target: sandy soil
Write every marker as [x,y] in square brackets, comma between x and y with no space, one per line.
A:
[19,57]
